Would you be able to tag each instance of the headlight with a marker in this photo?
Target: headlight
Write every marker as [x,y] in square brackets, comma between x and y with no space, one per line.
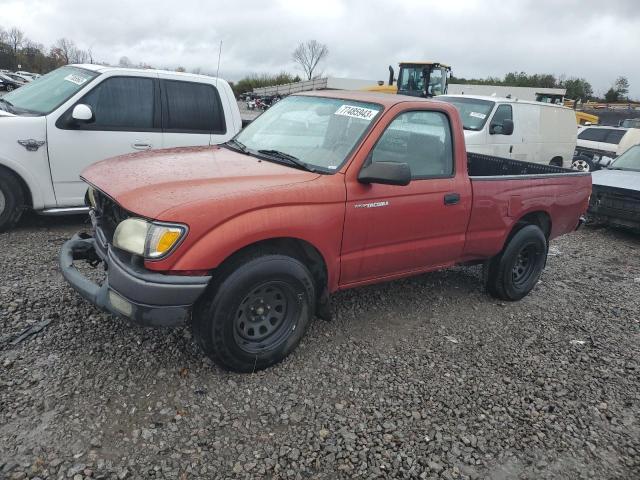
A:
[151,240]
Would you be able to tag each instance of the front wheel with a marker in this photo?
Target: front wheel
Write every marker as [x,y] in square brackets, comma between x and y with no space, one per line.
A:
[11,200]
[512,274]
[9,88]
[254,316]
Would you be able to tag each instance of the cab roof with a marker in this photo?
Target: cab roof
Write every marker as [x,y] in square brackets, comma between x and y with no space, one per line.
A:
[385,99]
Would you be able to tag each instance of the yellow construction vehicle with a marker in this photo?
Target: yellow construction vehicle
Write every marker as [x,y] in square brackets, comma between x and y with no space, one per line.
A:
[418,79]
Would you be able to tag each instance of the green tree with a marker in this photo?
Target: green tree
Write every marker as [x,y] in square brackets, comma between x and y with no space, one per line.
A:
[621,86]
[612,95]
[577,88]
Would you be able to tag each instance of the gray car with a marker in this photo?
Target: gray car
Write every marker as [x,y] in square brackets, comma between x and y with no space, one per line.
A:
[615,199]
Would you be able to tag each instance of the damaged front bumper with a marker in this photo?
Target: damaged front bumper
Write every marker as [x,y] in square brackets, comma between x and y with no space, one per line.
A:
[129,290]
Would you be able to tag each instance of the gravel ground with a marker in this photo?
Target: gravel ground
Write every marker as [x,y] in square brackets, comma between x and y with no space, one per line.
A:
[420,378]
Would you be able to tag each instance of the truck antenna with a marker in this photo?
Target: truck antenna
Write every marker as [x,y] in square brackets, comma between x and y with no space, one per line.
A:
[218,70]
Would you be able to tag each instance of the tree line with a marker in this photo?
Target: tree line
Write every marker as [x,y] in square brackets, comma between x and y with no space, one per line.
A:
[18,52]
[577,88]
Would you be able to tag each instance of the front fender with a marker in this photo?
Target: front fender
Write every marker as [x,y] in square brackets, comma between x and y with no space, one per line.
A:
[31,166]
[317,224]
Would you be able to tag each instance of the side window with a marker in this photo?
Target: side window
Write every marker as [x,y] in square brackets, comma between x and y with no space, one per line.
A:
[192,108]
[614,136]
[592,134]
[503,112]
[121,103]
[420,139]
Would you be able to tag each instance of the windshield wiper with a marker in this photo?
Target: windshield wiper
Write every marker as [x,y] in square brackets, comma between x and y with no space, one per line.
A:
[236,145]
[8,104]
[289,158]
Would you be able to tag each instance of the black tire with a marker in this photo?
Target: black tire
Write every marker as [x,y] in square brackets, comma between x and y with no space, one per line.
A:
[11,200]
[514,272]
[229,324]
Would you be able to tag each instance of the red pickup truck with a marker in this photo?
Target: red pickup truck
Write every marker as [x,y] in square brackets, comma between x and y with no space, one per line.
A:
[322,192]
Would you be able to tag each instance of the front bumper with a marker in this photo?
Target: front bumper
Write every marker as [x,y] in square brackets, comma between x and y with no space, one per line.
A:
[148,298]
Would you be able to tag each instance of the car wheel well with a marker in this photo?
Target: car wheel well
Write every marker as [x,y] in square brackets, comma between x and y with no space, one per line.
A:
[293,247]
[556,161]
[28,200]
[541,219]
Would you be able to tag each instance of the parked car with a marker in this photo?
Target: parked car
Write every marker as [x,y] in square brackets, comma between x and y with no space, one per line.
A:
[522,130]
[18,78]
[616,192]
[324,191]
[74,116]
[630,123]
[28,75]
[8,83]
[597,142]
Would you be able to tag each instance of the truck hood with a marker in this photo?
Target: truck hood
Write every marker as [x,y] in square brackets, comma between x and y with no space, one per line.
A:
[617,179]
[149,183]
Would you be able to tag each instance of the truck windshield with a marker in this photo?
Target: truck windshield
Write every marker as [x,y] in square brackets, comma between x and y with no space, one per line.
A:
[629,160]
[474,112]
[319,132]
[45,94]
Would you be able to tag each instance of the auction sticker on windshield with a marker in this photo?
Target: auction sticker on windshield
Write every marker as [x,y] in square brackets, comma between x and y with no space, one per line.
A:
[356,112]
[74,78]
[481,116]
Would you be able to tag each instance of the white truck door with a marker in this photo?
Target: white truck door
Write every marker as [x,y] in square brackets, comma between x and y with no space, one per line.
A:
[126,119]
[192,113]
[501,144]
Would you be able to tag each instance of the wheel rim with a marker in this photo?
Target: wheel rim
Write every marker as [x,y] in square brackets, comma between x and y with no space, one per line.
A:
[265,317]
[525,265]
[9,88]
[3,202]
[581,165]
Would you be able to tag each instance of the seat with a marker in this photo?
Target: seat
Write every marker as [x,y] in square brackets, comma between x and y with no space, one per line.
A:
[426,155]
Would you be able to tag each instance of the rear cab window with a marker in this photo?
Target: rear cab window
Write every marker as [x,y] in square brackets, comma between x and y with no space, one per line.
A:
[192,107]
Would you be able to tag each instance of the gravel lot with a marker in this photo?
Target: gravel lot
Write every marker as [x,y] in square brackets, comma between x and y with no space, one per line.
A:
[421,378]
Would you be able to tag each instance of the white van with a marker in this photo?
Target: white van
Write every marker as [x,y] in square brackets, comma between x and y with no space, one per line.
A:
[518,129]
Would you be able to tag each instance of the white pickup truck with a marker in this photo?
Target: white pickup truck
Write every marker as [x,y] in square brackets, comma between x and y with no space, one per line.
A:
[54,127]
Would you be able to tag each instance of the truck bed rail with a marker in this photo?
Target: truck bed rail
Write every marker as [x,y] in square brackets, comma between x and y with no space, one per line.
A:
[487,166]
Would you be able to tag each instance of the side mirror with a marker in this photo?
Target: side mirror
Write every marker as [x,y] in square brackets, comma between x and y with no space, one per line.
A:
[505,128]
[386,173]
[82,113]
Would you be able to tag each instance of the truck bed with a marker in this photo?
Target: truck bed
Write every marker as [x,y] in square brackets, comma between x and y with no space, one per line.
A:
[489,166]
[506,190]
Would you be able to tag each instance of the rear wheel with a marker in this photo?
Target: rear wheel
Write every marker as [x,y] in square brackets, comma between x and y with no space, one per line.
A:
[512,274]
[582,164]
[11,200]
[256,314]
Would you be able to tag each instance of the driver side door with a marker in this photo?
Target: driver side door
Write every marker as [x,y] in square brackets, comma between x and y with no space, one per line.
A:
[126,119]
[394,230]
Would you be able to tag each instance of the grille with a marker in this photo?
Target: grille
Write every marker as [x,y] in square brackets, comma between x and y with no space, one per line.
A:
[623,201]
[108,214]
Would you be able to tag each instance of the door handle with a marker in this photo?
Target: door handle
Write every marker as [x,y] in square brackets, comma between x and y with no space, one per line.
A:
[511,149]
[451,198]
[141,145]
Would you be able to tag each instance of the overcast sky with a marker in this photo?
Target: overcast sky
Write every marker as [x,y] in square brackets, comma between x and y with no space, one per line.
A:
[595,39]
